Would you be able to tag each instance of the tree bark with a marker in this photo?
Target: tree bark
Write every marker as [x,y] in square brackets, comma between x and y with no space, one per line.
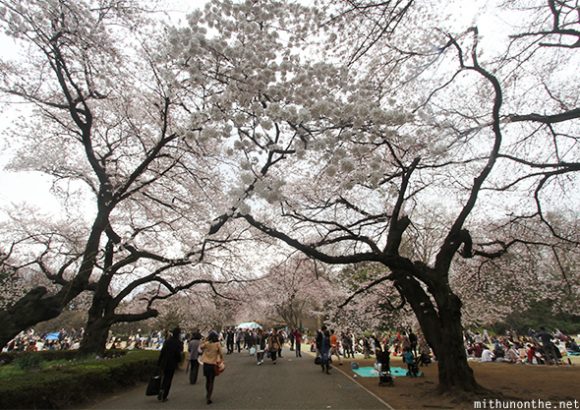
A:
[101,317]
[100,320]
[441,326]
[94,340]
[34,307]
[454,371]
[26,312]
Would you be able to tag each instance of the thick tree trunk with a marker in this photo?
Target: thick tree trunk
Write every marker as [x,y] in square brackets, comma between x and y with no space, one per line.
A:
[101,317]
[28,311]
[442,328]
[454,371]
[34,307]
[95,337]
[100,320]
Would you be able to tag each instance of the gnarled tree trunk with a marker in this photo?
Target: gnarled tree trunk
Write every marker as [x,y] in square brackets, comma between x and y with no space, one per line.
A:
[95,337]
[26,312]
[441,325]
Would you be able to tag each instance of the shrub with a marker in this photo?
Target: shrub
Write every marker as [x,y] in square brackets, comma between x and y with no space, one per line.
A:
[50,355]
[28,362]
[65,386]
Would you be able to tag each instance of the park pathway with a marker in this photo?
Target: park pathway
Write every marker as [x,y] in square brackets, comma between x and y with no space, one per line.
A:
[291,384]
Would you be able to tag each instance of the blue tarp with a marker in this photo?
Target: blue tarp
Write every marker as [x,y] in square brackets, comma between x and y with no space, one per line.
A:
[372,372]
[52,336]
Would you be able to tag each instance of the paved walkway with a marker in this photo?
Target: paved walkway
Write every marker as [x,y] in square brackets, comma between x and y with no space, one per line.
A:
[290,384]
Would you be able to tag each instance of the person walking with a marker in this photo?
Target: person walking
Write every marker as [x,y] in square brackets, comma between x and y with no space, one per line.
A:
[211,355]
[281,340]
[273,345]
[169,359]
[230,335]
[291,339]
[260,347]
[413,341]
[239,337]
[323,347]
[298,342]
[193,348]
[334,347]
[347,345]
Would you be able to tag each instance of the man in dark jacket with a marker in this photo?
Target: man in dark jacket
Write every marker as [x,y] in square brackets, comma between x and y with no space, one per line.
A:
[169,359]
[230,341]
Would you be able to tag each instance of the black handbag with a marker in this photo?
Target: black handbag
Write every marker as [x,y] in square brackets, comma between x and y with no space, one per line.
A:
[154,386]
[318,360]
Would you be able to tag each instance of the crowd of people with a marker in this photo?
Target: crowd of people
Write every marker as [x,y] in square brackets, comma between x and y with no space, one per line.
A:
[70,339]
[537,347]
[30,341]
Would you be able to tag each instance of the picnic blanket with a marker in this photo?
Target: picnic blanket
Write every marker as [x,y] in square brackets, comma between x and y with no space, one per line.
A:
[372,372]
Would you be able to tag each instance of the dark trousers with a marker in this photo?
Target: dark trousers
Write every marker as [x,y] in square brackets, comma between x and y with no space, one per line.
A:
[166,382]
[230,346]
[298,351]
[348,352]
[209,373]
[193,370]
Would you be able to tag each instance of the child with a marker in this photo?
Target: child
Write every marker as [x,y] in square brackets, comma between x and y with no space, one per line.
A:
[409,359]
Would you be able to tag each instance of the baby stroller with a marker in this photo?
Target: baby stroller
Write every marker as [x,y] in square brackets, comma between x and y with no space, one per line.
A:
[413,369]
[383,367]
[424,359]
[385,378]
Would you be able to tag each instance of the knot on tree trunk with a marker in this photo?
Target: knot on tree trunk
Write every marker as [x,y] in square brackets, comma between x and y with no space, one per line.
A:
[465,239]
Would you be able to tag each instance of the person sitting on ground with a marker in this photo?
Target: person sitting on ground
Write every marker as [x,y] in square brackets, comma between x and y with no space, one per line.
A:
[549,349]
[424,354]
[512,355]
[530,353]
[498,350]
[572,346]
[487,355]
[477,350]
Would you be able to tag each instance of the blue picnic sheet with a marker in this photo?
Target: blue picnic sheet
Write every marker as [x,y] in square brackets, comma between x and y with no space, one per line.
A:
[372,372]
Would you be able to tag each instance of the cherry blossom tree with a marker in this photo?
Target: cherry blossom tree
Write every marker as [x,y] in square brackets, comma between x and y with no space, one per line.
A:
[420,119]
[334,130]
[294,289]
[363,308]
[108,124]
[539,267]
